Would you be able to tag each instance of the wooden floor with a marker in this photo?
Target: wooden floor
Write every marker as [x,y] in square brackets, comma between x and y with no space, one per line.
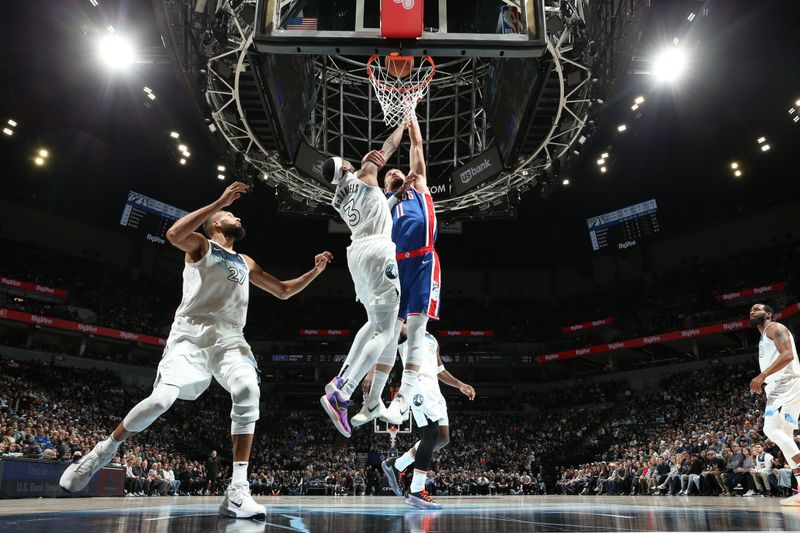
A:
[504,514]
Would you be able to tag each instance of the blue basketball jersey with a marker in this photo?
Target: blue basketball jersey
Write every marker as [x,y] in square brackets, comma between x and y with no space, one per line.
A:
[414,222]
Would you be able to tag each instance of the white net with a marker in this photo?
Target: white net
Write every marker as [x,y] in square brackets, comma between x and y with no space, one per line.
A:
[399,96]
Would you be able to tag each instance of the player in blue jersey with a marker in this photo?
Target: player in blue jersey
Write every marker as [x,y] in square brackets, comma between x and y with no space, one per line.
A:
[414,233]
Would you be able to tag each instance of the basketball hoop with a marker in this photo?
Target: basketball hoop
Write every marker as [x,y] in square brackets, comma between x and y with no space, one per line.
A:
[400,85]
[392,430]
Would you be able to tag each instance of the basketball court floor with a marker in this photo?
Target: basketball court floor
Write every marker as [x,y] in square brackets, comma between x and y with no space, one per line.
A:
[506,514]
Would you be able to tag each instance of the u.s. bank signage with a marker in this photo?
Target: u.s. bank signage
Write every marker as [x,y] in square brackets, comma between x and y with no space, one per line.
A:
[476,171]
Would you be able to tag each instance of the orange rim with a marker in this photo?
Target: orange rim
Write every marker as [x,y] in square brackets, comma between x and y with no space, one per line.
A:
[394,57]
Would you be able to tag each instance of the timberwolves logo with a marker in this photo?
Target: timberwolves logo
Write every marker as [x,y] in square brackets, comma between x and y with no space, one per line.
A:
[435,291]
[391,271]
[418,399]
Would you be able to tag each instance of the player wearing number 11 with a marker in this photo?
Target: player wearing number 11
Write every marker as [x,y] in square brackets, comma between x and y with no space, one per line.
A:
[205,341]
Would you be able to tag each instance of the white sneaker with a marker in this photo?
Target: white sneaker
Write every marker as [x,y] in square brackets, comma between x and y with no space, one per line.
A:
[367,413]
[397,412]
[78,475]
[791,500]
[238,503]
[749,493]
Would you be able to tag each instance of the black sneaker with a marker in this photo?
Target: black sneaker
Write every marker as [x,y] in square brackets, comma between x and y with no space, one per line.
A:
[422,500]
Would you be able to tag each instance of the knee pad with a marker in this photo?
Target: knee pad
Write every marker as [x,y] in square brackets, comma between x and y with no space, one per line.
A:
[389,353]
[425,450]
[245,395]
[416,327]
[148,410]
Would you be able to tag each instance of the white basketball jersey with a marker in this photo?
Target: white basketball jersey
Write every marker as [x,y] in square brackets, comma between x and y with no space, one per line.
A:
[768,353]
[216,287]
[429,369]
[363,208]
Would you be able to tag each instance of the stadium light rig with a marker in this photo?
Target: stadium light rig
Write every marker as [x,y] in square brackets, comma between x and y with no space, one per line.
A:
[220,177]
[621,128]
[669,65]
[115,52]
[174,134]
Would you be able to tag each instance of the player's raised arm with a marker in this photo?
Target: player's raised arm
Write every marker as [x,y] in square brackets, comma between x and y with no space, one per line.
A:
[449,379]
[286,289]
[374,160]
[417,156]
[183,233]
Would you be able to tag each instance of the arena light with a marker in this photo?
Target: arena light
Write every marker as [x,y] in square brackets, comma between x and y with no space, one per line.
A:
[220,176]
[38,161]
[116,52]
[8,131]
[12,123]
[174,134]
[738,173]
[669,65]
[94,3]
[634,107]
[111,29]
[151,96]
[601,162]
[622,127]
[186,153]
[734,165]
[761,140]
[565,182]
[264,176]
[182,161]
[43,153]
[797,103]
[220,168]
[603,170]
[765,147]
[604,155]
[639,100]
[182,147]
[796,119]
[690,17]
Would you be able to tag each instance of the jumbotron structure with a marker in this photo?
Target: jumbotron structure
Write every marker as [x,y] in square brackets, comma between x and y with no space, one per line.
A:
[218,46]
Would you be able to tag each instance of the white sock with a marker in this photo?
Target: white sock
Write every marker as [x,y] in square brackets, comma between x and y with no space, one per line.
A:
[239,473]
[418,481]
[379,380]
[348,388]
[408,384]
[108,445]
[404,461]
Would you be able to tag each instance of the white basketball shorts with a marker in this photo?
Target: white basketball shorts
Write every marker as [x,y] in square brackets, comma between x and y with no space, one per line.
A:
[783,399]
[373,266]
[427,403]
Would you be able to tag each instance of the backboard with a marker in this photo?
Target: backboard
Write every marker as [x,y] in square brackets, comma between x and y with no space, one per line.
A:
[451,28]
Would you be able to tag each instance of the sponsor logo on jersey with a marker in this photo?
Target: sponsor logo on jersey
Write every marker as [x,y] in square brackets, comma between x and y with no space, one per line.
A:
[418,400]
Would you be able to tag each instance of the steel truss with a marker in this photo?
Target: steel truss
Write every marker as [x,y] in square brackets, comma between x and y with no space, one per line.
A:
[347,119]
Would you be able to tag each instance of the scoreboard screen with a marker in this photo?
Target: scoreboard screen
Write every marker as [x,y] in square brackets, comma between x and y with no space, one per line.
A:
[623,228]
[150,216]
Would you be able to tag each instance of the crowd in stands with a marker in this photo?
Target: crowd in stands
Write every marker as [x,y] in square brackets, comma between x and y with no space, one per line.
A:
[99,293]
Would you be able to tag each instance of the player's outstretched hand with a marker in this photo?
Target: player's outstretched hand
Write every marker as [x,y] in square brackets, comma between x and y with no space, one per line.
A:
[467,390]
[322,260]
[410,180]
[756,383]
[232,193]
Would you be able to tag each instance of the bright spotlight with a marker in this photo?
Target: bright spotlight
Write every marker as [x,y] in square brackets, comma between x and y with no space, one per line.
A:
[601,162]
[220,176]
[8,131]
[604,155]
[761,140]
[764,147]
[639,100]
[622,127]
[116,52]
[797,103]
[174,134]
[738,173]
[39,161]
[796,119]
[603,169]
[12,123]
[43,153]
[634,107]
[734,165]
[182,147]
[565,182]
[669,65]
[182,161]
[220,168]
[186,153]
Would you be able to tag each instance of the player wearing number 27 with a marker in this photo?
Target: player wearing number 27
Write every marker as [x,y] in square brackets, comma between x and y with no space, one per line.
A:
[371,260]
[206,340]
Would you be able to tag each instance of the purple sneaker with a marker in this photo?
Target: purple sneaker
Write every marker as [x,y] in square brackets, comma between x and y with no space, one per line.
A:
[334,385]
[336,407]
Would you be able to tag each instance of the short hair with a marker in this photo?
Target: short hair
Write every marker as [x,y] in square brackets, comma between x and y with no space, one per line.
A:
[768,309]
[328,169]
[208,225]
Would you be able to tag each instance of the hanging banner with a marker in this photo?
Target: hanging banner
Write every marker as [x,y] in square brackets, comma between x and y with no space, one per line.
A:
[749,293]
[33,287]
[588,325]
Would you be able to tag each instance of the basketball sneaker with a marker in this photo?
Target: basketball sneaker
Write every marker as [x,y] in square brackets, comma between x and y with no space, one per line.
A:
[792,500]
[334,385]
[367,413]
[238,503]
[78,475]
[336,407]
[397,412]
[422,500]
[392,475]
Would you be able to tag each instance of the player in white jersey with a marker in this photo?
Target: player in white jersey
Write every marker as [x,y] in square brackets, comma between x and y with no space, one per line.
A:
[206,341]
[373,267]
[780,379]
[429,409]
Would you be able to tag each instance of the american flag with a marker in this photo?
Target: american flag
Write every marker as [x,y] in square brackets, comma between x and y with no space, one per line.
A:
[301,23]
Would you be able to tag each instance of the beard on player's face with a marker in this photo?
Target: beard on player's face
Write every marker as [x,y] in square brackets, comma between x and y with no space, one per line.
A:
[233,231]
[759,319]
